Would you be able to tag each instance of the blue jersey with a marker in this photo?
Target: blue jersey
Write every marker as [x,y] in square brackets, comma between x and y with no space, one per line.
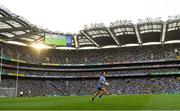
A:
[102,80]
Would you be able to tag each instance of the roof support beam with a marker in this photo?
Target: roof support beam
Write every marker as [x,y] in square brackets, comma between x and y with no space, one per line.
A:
[22,36]
[23,23]
[76,41]
[36,41]
[115,39]
[42,37]
[23,41]
[5,12]
[14,29]
[137,34]
[8,24]
[16,19]
[2,36]
[8,18]
[82,32]
[163,33]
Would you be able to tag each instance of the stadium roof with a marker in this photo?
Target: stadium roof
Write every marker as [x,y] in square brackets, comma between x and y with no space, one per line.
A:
[16,28]
[121,33]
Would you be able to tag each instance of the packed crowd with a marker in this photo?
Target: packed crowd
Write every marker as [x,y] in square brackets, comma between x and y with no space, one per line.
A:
[89,74]
[123,85]
[57,87]
[125,54]
[94,73]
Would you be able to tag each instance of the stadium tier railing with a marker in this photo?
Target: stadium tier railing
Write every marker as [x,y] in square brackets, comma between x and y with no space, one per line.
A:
[6,58]
[57,69]
[70,77]
[90,76]
[164,73]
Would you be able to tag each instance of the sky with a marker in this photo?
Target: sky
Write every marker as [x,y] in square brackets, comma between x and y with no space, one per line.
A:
[71,15]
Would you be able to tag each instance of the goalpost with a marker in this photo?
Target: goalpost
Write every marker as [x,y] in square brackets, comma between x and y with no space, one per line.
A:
[1,64]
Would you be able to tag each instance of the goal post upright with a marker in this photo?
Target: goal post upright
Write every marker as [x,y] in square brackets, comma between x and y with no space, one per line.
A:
[17,78]
[1,64]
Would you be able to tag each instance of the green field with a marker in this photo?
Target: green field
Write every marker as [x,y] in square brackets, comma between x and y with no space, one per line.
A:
[113,102]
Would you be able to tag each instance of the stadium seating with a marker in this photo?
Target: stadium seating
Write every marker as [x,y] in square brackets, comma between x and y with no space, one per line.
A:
[120,55]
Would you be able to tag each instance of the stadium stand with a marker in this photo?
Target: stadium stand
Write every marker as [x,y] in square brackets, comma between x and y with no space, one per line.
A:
[125,54]
[135,85]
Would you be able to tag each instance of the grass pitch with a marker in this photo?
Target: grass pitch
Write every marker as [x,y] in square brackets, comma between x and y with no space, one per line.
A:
[110,102]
